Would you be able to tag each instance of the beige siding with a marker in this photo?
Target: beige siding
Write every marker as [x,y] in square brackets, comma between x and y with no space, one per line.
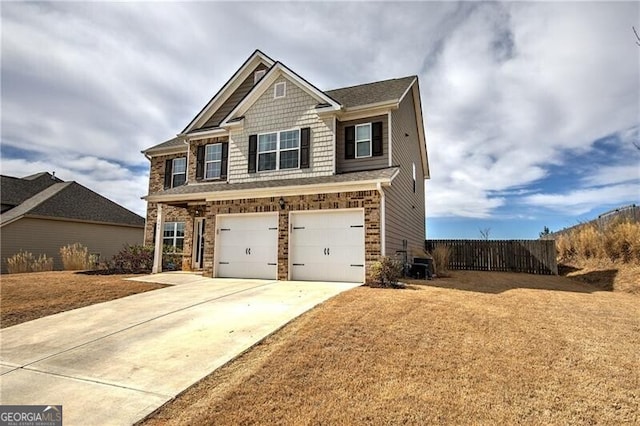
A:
[44,236]
[233,100]
[357,164]
[295,110]
[405,210]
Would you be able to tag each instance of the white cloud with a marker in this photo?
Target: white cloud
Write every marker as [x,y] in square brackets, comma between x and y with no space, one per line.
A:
[582,201]
[507,89]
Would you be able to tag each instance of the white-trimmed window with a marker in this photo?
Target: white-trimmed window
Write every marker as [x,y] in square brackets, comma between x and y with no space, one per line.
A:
[280,90]
[173,235]
[258,75]
[213,161]
[279,150]
[178,172]
[363,140]
[414,177]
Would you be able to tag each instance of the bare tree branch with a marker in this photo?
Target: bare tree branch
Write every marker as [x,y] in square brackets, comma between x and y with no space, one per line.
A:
[637,36]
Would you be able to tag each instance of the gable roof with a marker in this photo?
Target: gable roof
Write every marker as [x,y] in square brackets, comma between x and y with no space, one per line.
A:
[372,93]
[70,201]
[17,190]
[269,78]
[228,88]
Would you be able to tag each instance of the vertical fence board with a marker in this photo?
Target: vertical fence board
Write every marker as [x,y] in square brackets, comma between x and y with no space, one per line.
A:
[528,256]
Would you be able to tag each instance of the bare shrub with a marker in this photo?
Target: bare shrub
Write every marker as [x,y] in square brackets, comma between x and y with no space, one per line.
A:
[75,257]
[387,271]
[441,255]
[19,262]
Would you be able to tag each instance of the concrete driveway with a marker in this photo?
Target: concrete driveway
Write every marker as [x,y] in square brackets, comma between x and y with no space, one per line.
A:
[115,362]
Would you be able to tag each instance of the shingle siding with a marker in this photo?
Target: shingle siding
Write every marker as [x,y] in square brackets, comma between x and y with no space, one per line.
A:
[295,110]
[357,164]
[404,209]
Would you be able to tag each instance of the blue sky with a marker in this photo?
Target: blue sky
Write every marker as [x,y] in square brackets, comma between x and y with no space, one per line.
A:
[531,109]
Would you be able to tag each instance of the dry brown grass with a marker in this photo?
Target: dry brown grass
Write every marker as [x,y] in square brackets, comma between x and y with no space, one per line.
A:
[477,348]
[604,274]
[25,297]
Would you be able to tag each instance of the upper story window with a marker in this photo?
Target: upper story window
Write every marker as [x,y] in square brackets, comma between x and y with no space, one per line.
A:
[258,75]
[363,140]
[414,177]
[279,150]
[280,90]
[179,171]
[175,172]
[213,161]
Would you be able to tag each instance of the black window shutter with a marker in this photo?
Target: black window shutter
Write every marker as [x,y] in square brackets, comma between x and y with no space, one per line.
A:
[376,139]
[167,173]
[305,147]
[200,162]
[225,161]
[350,142]
[253,152]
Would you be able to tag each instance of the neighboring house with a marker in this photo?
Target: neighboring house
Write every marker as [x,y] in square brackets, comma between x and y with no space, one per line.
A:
[41,213]
[277,179]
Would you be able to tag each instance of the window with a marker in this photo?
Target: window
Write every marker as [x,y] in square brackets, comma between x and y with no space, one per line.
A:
[179,172]
[279,150]
[414,177]
[363,140]
[173,235]
[258,75]
[213,161]
[280,90]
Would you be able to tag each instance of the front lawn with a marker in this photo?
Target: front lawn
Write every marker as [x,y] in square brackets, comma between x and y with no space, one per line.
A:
[477,348]
[25,297]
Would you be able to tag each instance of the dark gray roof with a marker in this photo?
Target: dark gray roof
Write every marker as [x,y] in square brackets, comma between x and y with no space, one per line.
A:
[17,190]
[386,173]
[371,93]
[70,200]
[168,145]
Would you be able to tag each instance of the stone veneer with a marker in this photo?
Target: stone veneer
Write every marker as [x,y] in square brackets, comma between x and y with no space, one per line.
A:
[368,200]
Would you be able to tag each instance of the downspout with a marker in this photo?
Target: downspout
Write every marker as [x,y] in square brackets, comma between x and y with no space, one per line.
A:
[383,239]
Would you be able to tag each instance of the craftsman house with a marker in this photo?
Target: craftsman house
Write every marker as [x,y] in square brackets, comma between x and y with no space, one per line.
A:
[41,213]
[277,179]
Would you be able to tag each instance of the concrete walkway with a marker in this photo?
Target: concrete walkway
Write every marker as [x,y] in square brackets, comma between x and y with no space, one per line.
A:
[115,362]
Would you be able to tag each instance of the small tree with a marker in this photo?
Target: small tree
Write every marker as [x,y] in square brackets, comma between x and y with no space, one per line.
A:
[484,233]
[545,233]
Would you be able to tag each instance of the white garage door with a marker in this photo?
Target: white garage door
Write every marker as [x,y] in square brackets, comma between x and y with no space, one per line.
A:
[327,246]
[247,246]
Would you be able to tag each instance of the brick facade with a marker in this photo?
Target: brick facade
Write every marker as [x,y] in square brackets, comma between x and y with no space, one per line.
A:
[367,200]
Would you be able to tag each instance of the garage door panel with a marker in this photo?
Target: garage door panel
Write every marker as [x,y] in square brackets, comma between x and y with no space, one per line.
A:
[327,246]
[247,246]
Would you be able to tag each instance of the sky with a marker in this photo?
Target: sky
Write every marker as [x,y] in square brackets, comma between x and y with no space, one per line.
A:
[531,109]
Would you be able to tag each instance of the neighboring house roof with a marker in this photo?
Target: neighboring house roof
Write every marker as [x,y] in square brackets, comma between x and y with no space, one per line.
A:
[372,93]
[17,190]
[383,176]
[69,201]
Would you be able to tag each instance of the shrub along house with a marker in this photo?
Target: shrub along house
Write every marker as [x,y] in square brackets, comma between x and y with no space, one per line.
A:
[277,179]
[41,213]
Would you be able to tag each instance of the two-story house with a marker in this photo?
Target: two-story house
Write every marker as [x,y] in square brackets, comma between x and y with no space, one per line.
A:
[277,179]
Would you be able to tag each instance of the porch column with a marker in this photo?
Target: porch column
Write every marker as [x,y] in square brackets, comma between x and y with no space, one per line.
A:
[157,252]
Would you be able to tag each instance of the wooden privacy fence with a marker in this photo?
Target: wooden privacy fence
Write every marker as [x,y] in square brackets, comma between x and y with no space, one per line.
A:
[528,256]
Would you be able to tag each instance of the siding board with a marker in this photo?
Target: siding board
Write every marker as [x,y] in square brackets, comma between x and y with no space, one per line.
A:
[359,164]
[405,210]
[44,236]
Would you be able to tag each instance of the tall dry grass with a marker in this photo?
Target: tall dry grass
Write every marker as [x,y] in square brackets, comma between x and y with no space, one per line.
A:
[24,261]
[75,257]
[441,255]
[618,241]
